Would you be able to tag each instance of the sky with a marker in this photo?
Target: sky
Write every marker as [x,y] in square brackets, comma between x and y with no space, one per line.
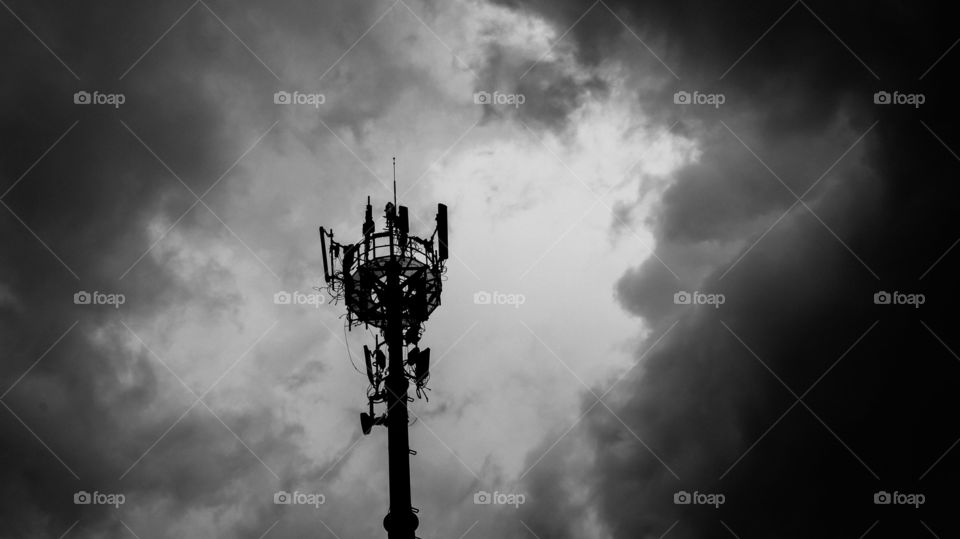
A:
[717,242]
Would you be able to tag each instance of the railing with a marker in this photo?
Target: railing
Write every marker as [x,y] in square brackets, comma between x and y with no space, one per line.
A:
[384,245]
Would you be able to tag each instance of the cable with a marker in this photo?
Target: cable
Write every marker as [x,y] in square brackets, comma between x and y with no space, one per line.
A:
[349,355]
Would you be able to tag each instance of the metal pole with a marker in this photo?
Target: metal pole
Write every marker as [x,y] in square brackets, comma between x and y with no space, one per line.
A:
[400,522]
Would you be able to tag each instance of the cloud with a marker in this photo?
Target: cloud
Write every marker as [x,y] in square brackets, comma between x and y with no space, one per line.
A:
[87,189]
[799,285]
[112,208]
[202,296]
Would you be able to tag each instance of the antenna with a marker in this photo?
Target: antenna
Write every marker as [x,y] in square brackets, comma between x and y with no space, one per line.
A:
[323,245]
[368,225]
[391,280]
[366,356]
[442,231]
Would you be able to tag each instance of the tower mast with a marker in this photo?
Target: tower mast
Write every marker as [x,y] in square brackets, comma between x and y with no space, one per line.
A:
[391,280]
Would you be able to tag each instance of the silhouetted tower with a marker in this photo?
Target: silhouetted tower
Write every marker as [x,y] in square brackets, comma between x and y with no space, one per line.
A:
[391,280]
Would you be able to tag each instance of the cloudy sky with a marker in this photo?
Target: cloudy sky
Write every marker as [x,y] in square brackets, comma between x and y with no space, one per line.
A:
[719,243]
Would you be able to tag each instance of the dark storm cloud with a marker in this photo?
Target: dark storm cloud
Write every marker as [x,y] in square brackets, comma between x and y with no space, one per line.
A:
[800,299]
[85,209]
[550,90]
[551,96]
